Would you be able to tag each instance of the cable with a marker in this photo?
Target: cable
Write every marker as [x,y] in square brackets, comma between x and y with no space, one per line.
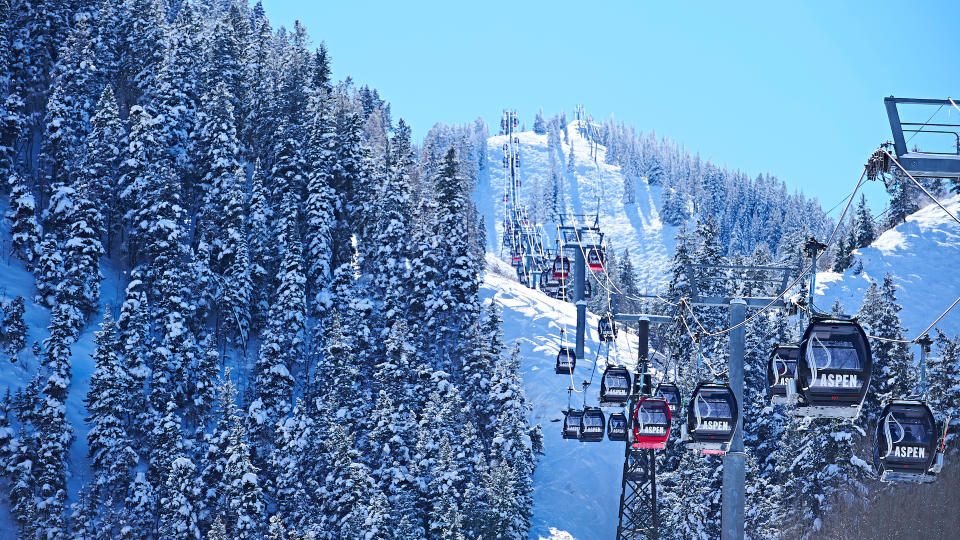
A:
[925,123]
[954,104]
[919,185]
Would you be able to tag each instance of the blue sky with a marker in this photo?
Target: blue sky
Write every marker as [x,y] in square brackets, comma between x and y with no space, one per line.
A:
[794,90]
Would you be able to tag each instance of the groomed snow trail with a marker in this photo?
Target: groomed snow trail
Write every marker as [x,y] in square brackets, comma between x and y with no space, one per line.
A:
[576,485]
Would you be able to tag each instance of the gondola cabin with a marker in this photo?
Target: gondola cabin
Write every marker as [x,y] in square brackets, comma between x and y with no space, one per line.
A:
[617,427]
[615,387]
[906,444]
[595,259]
[607,329]
[561,267]
[566,361]
[592,425]
[712,416]
[553,288]
[651,423]
[571,423]
[833,369]
[671,394]
[782,374]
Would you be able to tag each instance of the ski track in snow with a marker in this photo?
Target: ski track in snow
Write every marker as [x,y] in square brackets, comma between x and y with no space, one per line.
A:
[576,485]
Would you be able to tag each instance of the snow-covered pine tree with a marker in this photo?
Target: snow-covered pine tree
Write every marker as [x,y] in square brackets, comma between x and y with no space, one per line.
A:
[864,226]
[101,157]
[319,203]
[49,271]
[69,107]
[142,45]
[243,495]
[892,361]
[216,160]
[14,328]
[261,248]
[178,519]
[109,444]
[282,342]
[293,464]
[55,431]
[539,126]
[24,228]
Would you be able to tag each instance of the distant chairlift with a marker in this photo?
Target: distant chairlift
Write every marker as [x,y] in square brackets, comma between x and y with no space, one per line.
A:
[782,374]
[916,162]
[833,369]
[651,423]
[711,418]
[906,444]
[592,425]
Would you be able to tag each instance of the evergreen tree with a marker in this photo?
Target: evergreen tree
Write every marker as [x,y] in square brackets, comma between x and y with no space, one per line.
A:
[177,516]
[24,229]
[49,271]
[244,497]
[14,328]
[892,361]
[109,445]
[261,248]
[864,228]
[55,432]
[282,345]
[101,157]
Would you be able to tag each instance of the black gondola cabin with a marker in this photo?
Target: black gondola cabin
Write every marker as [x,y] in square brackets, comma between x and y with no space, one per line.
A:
[833,369]
[571,423]
[711,418]
[782,373]
[595,259]
[566,361]
[607,328]
[905,448]
[561,267]
[615,387]
[617,427]
[592,425]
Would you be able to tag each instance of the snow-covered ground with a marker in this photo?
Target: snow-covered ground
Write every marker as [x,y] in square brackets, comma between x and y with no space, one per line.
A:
[576,485]
[637,225]
[923,255]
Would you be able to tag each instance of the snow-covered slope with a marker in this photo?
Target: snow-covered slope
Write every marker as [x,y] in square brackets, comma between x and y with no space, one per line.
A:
[576,485]
[923,256]
[17,281]
[636,225]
